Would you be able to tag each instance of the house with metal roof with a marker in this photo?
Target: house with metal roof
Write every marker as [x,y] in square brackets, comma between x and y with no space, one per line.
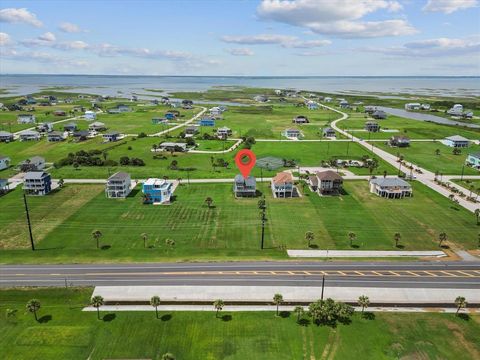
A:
[28,135]
[6,136]
[173,146]
[391,188]
[372,126]
[292,133]
[97,126]
[4,162]
[55,136]
[379,115]
[4,188]
[118,185]
[111,136]
[300,119]
[90,115]
[329,132]
[70,127]
[157,191]
[35,163]
[456,141]
[37,183]
[244,187]
[224,132]
[399,141]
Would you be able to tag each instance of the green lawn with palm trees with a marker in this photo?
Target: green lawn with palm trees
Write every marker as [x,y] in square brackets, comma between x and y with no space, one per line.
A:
[63,331]
[205,221]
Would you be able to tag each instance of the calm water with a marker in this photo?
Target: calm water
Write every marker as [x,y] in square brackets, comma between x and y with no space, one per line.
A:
[112,85]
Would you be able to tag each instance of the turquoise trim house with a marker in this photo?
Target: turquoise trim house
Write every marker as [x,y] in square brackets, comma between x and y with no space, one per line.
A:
[474,160]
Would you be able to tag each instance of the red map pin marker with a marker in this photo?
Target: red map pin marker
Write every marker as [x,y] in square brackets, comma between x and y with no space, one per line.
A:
[245,167]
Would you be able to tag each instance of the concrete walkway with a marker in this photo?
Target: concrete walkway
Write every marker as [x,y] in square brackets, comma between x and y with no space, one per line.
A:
[466,256]
[270,308]
[362,253]
[180,125]
[427,177]
[295,294]
[230,149]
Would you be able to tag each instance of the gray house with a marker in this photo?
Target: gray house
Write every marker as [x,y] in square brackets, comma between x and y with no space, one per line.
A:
[329,132]
[244,187]
[6,136]
[399,141]
[392,188]
[55,136]
[4,186]
[37,183]
[35,163]
[29,135]
[4,162]
[372,126]
[97,126]
[70,127]
[111,136]
[118,185]
[379,115]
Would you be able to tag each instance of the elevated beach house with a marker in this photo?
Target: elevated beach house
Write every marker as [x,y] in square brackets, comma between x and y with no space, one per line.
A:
[55,136]
[157,191]
[292,133]
[4,188]
[191,130]
[474,160]
[6,136]
[35,163]
[399,141]
[300,119]
[173,146]
[329,132]
[379,115]
[372,126]
[118,185]
[111,136]
[70,127]
[412,106]
[90,115]
[326,182]
[456,141]
[391,188]
[26,119]
[37,183]
[4,162]
[207,121]
[224,132]
[97,126]
[29,135]
[244,187]
[282,185]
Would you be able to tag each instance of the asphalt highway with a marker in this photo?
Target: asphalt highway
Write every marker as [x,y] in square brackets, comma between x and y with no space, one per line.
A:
[452,275]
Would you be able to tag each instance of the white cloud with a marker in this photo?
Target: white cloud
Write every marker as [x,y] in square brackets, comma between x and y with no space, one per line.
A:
[70,28]
[433,47]
[241,52]
[448,6]
[42,57]
[22,15]
[5,39]
[113,50]
[48,37]
[337,17]
[285,41]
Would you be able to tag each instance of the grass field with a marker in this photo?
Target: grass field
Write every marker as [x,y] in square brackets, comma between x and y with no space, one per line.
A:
[423,154]
[65,332]
[473,185]
[411,128]
[63,222]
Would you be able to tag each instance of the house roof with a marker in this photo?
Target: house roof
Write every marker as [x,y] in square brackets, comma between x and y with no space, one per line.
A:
[35,175]
[400,138]
[119,176]
[70,124]
[29,132]
[111,133]
[313,180]
[173,144]
[249,181]
[81,133]
[5,133]
[55,133]
[475,155]
[96,123]
[329,129]
[282,178]
[390,182]
[328,175]
[371,123]
[224,128]
[456,138]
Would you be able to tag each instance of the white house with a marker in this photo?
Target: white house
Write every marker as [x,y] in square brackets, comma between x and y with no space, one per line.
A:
[28,135]
[224,132]
[391,188]
[90,115]
[118,185]
[26,119]
[292,133]
[456,141]
[4,162]
[327,99]
[412,106]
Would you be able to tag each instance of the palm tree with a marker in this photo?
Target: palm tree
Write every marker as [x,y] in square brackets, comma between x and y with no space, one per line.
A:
[451,197]
[144,237]
[154,147]
[97,234]
[218,305]
[168,356]
[441,238]
[461,303]
[96,302]
[33,306]
[437,152]
[209,201]
[261,203]
[363,301]
[309,236]
[352,236]
[299,311]
[397,237]
[277,300]
[477,214]
[155,302]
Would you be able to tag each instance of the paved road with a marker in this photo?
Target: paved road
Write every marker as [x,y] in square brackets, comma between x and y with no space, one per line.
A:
[452,275]
[426,177]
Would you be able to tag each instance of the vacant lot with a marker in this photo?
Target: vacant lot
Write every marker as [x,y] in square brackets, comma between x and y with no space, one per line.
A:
[63,223]
[65,332]
[411,128]
[424,154]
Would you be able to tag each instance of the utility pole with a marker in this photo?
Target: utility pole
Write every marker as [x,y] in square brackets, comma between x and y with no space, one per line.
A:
[323,286]
[463,169]
[28,221]
[264,207]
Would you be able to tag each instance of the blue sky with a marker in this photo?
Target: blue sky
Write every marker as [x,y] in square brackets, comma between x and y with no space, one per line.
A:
[236,37]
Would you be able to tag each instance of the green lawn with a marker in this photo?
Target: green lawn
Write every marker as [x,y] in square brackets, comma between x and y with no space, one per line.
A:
[63,222]
[473,185]
[412,128]
[423,154]
[65,332]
